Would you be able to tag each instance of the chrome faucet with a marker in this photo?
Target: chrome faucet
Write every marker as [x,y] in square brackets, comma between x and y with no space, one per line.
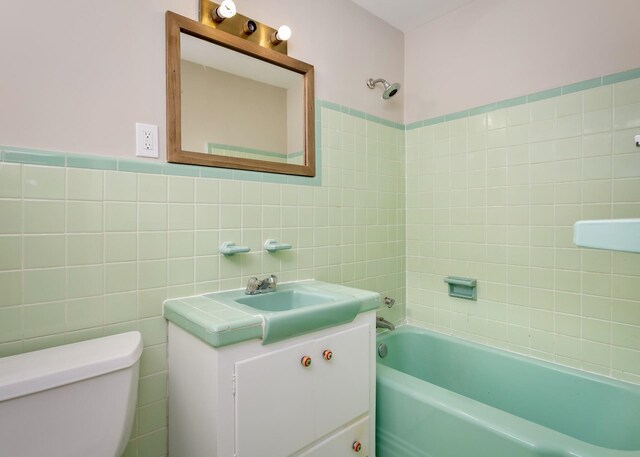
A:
[381,322]
[256,286]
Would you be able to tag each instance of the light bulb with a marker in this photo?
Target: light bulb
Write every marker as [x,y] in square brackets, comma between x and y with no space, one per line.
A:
[226,10]
[283,34]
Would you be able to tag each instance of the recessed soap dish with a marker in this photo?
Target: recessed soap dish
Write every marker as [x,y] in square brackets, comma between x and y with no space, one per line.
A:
[462,287]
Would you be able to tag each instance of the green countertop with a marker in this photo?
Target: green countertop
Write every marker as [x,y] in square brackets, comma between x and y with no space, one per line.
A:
[219,321]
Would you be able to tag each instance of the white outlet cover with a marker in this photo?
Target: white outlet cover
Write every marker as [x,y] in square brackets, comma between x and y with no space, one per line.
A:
[147,140]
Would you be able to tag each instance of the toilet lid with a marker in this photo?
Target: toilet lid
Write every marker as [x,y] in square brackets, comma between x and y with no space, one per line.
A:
[36,371]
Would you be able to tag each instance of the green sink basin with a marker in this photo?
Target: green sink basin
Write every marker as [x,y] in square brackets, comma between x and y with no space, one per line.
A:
[301,307]
[284,300]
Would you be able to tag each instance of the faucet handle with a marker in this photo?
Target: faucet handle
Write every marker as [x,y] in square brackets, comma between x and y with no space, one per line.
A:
[272,281]
[252,285]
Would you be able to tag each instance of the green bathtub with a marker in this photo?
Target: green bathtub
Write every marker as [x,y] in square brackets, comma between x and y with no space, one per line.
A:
[439,396]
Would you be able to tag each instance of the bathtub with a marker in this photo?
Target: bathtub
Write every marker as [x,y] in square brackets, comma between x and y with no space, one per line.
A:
[439,396]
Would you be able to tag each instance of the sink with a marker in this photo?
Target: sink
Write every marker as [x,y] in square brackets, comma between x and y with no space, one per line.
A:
[284,300]
[300,307]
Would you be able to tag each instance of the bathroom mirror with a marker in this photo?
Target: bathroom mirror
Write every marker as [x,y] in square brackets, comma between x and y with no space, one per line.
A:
[234,104]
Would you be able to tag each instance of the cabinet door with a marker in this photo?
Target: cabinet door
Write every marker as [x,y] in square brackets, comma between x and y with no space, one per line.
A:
[342,444]
[274,411]
[341,384]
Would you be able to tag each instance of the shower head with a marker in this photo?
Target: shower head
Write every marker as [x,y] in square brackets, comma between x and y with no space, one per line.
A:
[389,89]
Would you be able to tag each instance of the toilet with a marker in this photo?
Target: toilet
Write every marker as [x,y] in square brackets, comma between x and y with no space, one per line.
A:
[75,400]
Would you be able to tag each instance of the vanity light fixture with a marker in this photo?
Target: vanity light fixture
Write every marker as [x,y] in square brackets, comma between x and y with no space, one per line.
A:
[226,10]
[225,18]
[282,34]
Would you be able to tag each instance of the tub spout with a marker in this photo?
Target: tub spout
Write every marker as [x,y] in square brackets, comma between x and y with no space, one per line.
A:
[381,322]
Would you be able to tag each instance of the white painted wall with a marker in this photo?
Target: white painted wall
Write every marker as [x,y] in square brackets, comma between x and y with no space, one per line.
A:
[492,50]
[77,75]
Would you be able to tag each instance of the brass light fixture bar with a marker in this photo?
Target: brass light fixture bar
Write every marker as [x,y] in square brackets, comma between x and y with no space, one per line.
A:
[241,26]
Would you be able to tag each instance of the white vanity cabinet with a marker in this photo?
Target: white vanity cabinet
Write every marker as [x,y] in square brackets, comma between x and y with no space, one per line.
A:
[311,395]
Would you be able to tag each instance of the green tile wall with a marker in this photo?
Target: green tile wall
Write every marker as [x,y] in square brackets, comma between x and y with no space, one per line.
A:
[493,195]
[95,247]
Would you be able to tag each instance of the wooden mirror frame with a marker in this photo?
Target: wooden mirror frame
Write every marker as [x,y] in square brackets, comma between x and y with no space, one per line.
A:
[175,25]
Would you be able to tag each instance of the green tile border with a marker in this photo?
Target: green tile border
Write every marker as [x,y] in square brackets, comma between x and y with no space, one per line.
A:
[512,102]
[582,85]
[544,95]
[31,156]
[246,175]
[59,159]
[329,105]
[413,125]
[483,109]
[530,98]
[218,173]
[34,157]
[360,114]
[433,121]
[95,163]
[176,169]
[454,116]
[139,166]
[621,77]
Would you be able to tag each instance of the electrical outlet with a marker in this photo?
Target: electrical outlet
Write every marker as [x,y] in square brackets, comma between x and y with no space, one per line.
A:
[146,140]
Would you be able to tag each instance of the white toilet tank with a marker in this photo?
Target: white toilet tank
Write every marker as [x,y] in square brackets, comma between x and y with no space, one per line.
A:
[76,400]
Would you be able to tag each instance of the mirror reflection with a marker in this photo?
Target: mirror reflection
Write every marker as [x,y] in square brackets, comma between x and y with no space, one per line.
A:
[234,105]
